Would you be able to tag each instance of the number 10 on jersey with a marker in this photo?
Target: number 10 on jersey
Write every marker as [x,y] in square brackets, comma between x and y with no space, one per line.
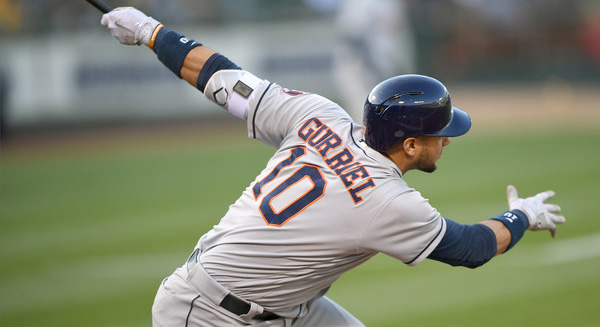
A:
[293,193]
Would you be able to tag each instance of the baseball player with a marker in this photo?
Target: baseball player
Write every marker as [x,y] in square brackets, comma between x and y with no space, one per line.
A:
[330,198]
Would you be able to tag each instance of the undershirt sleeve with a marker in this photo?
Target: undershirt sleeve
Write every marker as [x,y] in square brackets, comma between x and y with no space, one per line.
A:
[465,245]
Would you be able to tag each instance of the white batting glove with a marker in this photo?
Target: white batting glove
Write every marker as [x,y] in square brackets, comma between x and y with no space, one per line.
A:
[540,214]
[129,25]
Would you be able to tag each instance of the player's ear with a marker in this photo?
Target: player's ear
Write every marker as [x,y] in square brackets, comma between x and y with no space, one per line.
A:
[409,145]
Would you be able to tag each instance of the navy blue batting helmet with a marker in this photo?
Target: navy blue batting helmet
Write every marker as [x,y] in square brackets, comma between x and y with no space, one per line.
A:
[407,106]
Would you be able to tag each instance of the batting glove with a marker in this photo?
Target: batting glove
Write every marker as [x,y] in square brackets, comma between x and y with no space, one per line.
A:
[129,25]
[540,214]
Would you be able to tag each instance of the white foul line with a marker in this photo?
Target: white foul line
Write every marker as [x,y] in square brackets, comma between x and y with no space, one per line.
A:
[569,250]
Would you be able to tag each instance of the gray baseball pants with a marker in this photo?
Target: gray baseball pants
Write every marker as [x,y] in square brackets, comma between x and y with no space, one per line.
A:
[191,298]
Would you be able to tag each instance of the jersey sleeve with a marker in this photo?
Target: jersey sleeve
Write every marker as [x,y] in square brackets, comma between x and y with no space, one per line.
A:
[281,111]
[271,111]
[407,228]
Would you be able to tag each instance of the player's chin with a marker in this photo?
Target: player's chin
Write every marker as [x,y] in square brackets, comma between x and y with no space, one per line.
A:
[426,163]
[428,169]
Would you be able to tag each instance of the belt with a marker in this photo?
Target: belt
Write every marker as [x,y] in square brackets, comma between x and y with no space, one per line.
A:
[240,307]
[204,284]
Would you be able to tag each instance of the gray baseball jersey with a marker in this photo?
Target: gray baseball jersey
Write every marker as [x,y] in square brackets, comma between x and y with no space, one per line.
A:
[324,203]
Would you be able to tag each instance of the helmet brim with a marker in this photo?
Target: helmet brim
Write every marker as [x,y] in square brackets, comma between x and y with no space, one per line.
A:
[459,124]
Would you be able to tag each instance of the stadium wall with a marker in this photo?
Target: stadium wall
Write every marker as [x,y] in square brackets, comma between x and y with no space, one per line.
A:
[89,77]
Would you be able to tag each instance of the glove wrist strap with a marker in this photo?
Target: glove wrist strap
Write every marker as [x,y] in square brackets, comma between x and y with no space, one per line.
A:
[153,36]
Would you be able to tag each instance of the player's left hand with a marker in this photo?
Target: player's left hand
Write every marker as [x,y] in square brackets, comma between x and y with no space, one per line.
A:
[129,25]
[541,215]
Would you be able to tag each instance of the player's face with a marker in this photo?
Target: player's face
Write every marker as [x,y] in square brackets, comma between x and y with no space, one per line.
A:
[431,150]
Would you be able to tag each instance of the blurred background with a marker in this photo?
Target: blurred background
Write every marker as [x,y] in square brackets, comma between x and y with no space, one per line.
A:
[111,167]
[60,67]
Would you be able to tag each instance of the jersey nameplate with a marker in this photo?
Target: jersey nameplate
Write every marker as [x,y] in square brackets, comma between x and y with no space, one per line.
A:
[352,173]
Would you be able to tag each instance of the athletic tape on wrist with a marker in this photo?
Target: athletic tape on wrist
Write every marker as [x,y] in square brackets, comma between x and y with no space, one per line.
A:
[517,223]
[172,48]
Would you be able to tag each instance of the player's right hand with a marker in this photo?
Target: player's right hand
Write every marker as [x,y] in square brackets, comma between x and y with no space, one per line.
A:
[129,25]
[541,215]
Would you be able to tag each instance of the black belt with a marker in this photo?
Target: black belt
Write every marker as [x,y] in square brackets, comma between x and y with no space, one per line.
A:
[240,307]
[231,302]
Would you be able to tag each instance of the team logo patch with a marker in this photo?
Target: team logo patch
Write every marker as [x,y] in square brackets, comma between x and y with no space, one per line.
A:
[292,92]
[242,89]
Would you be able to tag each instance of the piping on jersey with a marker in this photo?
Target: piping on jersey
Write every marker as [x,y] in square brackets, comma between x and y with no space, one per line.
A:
[256,111]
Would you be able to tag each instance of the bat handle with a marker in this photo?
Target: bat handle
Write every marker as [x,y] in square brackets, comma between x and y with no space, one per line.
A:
[100,5]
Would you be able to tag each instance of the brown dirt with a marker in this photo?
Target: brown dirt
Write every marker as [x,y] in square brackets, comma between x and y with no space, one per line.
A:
[552,105]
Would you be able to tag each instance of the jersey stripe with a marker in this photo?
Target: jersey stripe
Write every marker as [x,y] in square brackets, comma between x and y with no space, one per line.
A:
[256,110]
[442,227]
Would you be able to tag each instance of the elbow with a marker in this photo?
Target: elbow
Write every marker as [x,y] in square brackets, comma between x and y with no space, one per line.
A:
[467,262]
[477,264]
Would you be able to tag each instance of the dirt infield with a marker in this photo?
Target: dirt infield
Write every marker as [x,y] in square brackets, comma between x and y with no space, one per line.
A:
[552,105]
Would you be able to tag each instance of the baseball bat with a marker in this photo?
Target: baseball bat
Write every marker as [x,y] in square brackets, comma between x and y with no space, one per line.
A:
[100,5]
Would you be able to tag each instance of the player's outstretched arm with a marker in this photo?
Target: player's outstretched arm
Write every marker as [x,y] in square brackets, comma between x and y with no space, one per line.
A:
[473,245]
[184,57]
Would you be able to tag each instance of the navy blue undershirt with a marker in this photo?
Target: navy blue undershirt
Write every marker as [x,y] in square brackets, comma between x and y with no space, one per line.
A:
[465,245]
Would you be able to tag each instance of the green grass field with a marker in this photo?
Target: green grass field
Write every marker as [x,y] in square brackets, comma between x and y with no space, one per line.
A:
[89,229]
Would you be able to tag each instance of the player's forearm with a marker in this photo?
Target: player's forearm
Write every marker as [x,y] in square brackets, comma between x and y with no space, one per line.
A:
[193,64]
[465,245]
[184,57]
[188,59]
[509,228]
[473,245]
[502,233]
